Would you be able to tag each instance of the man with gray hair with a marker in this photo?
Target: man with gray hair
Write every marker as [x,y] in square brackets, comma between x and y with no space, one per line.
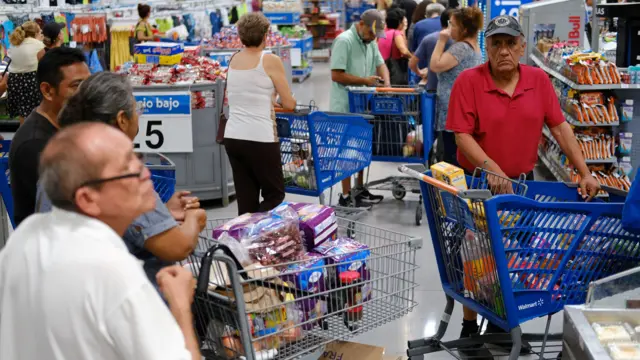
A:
[427,26]
[69,289]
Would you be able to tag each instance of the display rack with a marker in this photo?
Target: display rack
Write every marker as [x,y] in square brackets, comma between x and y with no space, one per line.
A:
[283,18]
[301,54]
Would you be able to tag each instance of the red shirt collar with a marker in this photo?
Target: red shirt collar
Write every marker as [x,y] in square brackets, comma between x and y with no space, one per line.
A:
[524,83]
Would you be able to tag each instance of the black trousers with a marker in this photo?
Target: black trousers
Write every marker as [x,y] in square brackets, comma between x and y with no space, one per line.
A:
[448,148]
[256,169]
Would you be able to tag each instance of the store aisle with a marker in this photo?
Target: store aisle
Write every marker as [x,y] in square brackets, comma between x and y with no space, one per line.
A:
[396,216]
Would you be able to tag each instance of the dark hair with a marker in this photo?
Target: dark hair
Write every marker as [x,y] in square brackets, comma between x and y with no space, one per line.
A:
[252,27]
[394,17]
[420,13]
[470,20]
[99,99]
[454,4]
[143,10]
[51,64]
[444,18]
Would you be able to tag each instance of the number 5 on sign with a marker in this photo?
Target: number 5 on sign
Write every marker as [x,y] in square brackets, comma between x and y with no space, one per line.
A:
[164,122]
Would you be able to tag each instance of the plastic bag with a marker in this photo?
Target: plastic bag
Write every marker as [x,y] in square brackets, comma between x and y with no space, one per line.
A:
[240,252]
[276,239]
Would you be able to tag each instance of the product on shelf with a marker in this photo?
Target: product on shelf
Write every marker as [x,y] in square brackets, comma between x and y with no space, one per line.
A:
[626,140]
[191,70]
[294,32]
[585,67]
[613,177]
[596,147]
[228,38]
[592,108]
[624,351]
[627,111]
[283,6]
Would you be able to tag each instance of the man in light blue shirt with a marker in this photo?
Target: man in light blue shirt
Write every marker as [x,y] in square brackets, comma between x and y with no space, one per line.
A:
[356,61]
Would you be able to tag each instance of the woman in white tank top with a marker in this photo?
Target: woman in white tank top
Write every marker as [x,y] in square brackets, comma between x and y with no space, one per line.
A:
[253,81]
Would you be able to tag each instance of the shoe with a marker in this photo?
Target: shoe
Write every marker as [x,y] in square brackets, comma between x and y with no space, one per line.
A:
[506,346]
[365,195]
[347,201]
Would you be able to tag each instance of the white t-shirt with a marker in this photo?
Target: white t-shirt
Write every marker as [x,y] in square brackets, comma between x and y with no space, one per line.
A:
[69,289]
[24,57]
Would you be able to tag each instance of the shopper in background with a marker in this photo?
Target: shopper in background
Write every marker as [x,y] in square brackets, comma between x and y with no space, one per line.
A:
[418,14]
[356,61]
[25,52]
[497,112]
[143,30]
[155,237]
[52,36]
[60,72]
[393,47]
[419,62]
[409,7]
[69,289]
[250,137]
[464,25]
[427,26]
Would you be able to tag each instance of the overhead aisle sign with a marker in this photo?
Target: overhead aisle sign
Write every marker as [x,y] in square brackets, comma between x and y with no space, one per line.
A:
[164,122]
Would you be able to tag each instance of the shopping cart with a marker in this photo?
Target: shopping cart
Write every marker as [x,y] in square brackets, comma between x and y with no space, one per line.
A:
[269,313]
[402,132]
[322,149]
[513,258]
[163,174]
[6,207]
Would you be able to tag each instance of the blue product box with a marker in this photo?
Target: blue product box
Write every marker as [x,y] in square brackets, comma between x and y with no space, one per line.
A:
[222,57]
[158,48]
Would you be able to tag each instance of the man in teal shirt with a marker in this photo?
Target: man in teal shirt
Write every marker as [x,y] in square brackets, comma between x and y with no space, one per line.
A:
[356,61]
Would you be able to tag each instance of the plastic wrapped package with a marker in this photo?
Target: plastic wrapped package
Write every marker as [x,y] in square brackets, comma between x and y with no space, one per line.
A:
[317,222]
[347,255]
[276,239]
[613,332]
[624,351]
[308,275]
[238,226]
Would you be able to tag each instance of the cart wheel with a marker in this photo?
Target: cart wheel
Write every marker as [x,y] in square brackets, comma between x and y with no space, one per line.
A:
[419,215]
[398,192]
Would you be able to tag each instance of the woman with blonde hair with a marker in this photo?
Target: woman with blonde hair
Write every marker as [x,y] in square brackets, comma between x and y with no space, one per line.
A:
[25,52]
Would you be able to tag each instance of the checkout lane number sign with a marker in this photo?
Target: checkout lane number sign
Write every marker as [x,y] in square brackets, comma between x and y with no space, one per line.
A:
[164,122]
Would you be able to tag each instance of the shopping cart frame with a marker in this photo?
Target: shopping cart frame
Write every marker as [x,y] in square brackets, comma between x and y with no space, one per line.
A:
[388,105]
[325,179]
[384,245]
[548,203]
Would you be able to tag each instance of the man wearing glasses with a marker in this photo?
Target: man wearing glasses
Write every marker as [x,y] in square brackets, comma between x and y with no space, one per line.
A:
[69,289]
[497,111]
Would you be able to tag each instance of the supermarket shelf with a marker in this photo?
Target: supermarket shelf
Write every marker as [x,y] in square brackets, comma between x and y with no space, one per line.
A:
[573,122]
[553,167]
[611,160]
[575,86]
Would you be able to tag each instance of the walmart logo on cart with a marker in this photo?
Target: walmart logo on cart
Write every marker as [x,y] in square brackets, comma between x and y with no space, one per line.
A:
[540,302]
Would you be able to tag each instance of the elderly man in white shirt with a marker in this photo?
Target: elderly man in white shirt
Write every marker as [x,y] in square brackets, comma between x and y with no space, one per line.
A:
[69,288]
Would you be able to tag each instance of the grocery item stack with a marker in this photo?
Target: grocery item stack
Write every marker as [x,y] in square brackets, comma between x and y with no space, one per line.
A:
[190,70]
[228,38]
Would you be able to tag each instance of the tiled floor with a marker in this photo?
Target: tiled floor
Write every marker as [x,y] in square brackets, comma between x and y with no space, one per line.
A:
[399,216]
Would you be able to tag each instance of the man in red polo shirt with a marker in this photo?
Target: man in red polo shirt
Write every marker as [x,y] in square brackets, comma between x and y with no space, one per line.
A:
[497,111]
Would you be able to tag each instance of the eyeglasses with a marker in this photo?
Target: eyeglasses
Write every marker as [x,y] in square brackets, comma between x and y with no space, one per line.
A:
[110,179]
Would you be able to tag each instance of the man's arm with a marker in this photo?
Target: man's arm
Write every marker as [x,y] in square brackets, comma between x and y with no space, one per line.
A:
[346,79]
[24,171]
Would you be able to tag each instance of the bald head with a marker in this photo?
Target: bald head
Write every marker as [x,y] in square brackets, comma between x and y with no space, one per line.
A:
[75,155]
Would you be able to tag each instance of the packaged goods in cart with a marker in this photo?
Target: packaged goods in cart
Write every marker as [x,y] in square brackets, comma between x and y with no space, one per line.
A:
[317,222]
[236,228]
[228,38]
[479,267]
[347,255]
[308,275]
[613,332]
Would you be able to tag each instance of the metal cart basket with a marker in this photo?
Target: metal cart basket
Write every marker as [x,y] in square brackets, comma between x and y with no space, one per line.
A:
[275,313]
[512,258]
[402,132]
[322,149]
